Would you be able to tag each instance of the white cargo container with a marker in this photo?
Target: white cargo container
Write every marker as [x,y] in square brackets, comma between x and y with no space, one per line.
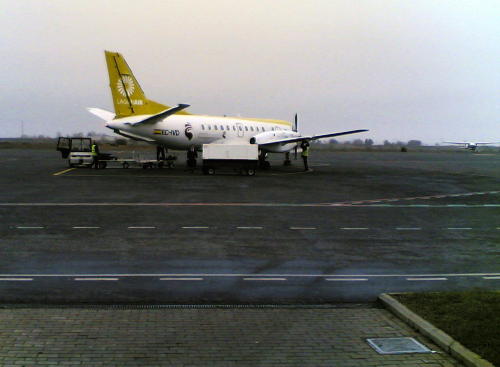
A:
[243,158]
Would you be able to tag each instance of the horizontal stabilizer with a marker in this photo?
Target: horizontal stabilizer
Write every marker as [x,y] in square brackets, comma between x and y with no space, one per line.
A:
[134,136]
[161,115]
[102,114]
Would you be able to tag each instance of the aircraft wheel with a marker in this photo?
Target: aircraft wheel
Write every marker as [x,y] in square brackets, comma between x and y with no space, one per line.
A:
[125,165]
[210,171]
[251,172]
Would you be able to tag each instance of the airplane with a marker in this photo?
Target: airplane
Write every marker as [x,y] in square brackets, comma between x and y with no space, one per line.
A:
[139,118]
[470,145]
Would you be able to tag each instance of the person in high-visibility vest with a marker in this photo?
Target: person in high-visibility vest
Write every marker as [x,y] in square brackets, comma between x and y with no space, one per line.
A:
[94,149]
[305,153]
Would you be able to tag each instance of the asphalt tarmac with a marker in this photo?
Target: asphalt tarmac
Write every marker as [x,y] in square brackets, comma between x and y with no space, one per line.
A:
[359,224]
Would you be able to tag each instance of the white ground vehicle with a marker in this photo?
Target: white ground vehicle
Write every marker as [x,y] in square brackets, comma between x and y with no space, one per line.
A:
[76,150]
[242,158]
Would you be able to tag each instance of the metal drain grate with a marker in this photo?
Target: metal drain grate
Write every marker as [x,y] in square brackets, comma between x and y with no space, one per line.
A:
[397,345]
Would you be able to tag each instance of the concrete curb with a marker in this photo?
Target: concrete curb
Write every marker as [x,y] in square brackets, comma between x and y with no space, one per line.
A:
[446,342]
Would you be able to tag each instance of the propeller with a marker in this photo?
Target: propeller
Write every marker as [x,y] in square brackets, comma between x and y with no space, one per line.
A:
[295,128]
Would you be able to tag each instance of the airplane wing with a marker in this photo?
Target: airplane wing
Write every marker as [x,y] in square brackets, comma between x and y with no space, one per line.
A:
[493,142]
[161,115]
[311,137]
[455,142]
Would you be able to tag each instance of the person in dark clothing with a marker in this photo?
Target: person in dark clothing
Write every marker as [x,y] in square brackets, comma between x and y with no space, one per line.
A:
[94,149]
[305,154]
[160,152]
[191,158]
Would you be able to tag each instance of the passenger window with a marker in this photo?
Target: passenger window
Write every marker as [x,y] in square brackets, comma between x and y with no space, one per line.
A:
[234,128]
[221,127]
[246,128]
[239,127]
[228,128]
[263,128]
[209,127]
[251,128]
[215,127]
[202,127]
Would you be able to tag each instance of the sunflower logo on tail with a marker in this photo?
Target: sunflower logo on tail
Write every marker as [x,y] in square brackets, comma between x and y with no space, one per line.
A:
[125,85]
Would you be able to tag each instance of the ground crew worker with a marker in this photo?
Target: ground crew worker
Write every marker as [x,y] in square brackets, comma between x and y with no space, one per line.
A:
[305,153]
[191,158]
[160,152]
[95,155]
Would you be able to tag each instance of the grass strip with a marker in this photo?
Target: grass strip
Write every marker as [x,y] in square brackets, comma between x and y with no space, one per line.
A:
[471,317]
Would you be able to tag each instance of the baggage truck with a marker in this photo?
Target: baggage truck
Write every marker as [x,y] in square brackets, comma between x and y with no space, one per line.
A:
[78,152]
[242,158]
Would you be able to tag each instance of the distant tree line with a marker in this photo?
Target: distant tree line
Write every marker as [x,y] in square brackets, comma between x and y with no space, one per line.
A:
[369,142]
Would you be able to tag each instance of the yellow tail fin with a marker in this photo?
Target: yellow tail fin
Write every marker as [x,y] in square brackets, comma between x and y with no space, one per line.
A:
[128,96]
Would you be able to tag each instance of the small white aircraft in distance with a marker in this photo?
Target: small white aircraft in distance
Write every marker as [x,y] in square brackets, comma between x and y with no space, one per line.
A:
[139,118]
[469,145]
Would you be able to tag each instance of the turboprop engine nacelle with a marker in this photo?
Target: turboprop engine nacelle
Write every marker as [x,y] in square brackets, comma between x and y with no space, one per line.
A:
[269,136]
[265,140]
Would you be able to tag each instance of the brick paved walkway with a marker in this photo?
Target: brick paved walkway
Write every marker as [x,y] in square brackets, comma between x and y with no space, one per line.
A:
[203,337]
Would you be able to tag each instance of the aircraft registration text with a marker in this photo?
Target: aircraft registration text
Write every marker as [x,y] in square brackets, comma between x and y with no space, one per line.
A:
[166,132]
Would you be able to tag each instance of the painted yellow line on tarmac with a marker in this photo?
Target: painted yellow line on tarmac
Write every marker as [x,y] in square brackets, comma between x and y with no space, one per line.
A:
[63,172]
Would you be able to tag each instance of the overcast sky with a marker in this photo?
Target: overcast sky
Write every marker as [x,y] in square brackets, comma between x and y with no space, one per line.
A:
[426,69]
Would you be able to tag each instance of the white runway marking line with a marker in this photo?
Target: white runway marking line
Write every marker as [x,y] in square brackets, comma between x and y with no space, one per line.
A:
[491,278]
[346,279]
[85,227]
[303,228]
[16,279]
[408,228]
[354,228]
[30,227]
[240,275]
[195,227]
[249,227]
[95,279]
[266,279]
[459,228]
[183,279]
[141,227]
[426,279]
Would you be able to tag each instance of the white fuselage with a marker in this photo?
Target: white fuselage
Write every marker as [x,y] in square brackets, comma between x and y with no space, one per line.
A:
[185,131]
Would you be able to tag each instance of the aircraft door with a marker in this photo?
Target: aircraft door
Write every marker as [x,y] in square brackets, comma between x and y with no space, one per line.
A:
[240,129]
